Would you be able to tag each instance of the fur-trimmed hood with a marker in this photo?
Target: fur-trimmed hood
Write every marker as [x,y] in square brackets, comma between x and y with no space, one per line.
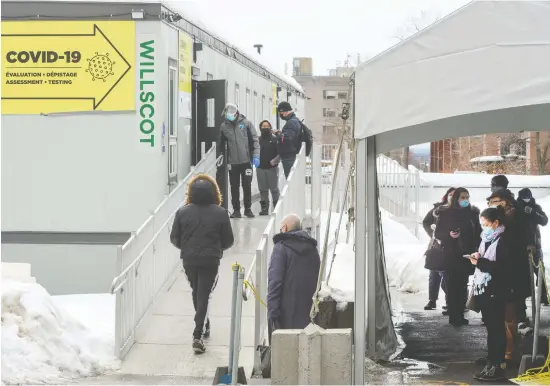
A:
[203,190]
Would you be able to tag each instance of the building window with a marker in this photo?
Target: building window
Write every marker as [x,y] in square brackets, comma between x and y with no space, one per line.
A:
[329,131]
[237,95]
[172,159]
[172,122]
[342,95]
[247,103]
[330,113]
[263,107]
[209,76]
[330,94]
[256,108]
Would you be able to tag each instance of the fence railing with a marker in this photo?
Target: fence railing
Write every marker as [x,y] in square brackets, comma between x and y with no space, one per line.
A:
[291,200]
[148,259]
[403,193]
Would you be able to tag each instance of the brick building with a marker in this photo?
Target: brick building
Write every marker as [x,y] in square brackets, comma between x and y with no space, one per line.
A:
[493,153]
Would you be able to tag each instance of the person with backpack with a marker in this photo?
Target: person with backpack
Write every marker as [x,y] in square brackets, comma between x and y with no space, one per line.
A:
[291,136]
[243,151]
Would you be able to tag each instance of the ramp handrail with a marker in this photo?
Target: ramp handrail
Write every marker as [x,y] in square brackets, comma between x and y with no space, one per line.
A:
[292,200]
[148,260]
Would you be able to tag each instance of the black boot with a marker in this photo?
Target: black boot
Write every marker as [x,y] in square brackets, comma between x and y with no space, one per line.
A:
[275,203]
[236,214]
[430,306]
[265,208]
[248,213]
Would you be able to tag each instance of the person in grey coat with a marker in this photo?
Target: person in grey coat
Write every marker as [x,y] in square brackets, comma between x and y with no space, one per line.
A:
[268,172]
[292,275]
[289,136]
[243,151]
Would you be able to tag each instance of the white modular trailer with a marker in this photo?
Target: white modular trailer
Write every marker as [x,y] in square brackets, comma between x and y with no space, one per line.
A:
[103,105]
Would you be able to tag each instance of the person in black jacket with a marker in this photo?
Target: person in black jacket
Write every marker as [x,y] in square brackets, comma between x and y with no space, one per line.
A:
[520,282]
[268,172]
[533,217]
[459,231]
[491,288]
[437,278]
[202,231]
[289,136]
[292,275]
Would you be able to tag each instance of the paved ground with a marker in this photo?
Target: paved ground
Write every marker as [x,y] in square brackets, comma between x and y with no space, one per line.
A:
[162,353]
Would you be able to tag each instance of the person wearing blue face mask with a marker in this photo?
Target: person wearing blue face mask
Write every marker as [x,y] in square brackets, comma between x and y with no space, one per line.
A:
[458,230]
[243,151]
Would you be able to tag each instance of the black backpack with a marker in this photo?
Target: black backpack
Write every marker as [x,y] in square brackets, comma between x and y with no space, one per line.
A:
[306,136]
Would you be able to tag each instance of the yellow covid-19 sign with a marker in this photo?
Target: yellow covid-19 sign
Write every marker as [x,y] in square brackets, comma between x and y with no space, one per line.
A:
[67,66]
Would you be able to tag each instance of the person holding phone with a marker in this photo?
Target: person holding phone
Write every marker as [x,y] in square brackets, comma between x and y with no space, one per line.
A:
[492,289]
[459,231]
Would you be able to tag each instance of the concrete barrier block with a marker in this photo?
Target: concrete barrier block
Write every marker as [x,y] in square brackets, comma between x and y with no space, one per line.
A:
[284,357]
[337,357]
[313,356]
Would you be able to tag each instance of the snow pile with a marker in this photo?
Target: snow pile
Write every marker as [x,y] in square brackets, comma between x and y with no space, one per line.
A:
[42,343]
[476,180]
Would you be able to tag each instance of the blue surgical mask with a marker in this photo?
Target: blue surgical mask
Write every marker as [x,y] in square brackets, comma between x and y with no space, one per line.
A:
[464,203]
[230,117]
[488,231]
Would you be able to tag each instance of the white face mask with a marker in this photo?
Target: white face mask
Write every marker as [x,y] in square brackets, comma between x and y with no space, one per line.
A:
[526,199]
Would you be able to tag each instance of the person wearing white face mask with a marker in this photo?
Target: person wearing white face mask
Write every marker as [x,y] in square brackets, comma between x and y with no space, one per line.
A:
[491,289]
[533,217]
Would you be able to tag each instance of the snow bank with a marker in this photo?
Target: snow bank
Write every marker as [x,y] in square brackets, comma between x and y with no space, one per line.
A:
[475,180]
[43,343]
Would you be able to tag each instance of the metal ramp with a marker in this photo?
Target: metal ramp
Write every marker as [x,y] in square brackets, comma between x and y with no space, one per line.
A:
[163,340]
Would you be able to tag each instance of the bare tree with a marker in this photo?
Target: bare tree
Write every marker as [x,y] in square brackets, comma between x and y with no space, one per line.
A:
[415,24]
[542,153]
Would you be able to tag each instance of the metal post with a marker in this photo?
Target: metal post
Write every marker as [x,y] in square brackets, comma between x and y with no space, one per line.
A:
[233,304]
[540,288]
[372,249]
[533,300]
[359,325]
[416,201]
[237,331]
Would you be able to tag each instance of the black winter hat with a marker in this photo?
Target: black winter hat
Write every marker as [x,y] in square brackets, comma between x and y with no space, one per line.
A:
[284,106]
[500,180]
[525,193]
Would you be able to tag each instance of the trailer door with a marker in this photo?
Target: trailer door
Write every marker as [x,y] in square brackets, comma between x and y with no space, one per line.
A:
[211,96]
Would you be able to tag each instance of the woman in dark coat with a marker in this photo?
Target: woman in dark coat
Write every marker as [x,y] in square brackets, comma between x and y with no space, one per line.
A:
[459,231]
[436,278]
[521,281]
[491,286]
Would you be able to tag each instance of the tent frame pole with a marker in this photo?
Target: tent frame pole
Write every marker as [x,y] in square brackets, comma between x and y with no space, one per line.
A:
[373,256]
[359,322]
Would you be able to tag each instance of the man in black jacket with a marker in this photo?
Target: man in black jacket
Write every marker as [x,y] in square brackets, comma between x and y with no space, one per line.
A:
[533,217]
[292,275]
[202,231]
[289,137]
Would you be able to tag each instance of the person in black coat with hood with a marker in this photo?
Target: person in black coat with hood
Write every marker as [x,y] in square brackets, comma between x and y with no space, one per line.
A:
[292,275]
[533,217]
[437,278]
[459,231]
[202,231]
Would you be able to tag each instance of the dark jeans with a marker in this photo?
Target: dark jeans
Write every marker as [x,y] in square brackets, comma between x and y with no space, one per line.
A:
[202,280]
[287,162]
[457,294]
[493,311]
[241,173]
[437,279]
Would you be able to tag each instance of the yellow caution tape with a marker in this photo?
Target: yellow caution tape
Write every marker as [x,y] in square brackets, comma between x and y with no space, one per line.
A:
[249,285]
[536,376]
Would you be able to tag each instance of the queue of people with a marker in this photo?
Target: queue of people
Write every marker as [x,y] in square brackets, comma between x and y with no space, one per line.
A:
[496,246]
[245,151]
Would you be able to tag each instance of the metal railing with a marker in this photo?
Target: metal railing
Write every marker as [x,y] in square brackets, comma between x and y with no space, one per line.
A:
[292,200]
[148,259]
[403,193]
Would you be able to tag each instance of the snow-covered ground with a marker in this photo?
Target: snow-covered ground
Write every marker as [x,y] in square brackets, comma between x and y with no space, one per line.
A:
[404,258]
[49,339]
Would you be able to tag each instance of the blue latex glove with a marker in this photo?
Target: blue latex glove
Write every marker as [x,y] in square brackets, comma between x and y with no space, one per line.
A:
[256,162]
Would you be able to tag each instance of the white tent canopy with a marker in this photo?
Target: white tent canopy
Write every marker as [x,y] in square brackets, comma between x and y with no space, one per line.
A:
[484,68]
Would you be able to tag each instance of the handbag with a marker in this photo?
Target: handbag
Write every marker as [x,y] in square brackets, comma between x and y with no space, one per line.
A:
[472,303]
[434,257]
